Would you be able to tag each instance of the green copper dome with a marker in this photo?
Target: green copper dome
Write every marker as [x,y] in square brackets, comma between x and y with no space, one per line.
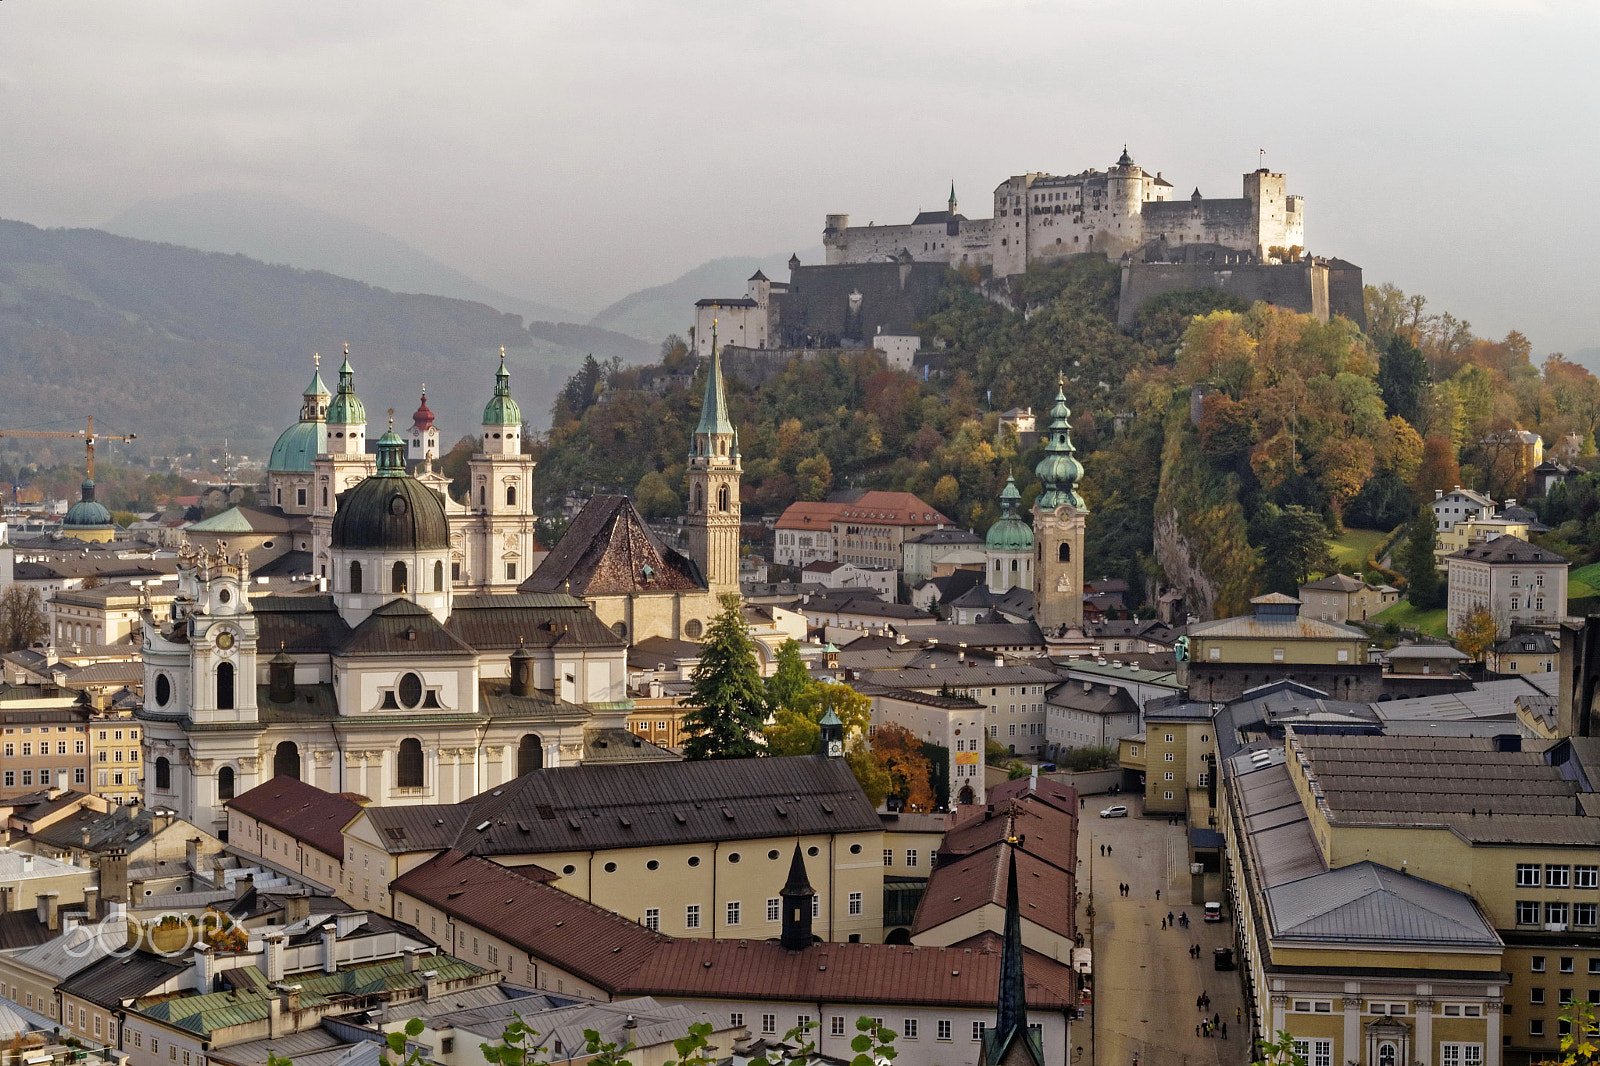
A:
[297,446]
[1059,470]
[501,409]
[391,511]
[1010,533]
[86,513]
[347,408]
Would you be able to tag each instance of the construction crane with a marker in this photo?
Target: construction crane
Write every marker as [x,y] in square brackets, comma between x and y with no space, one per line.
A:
[88,437]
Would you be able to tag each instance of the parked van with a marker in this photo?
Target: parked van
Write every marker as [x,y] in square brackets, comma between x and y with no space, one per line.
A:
[1213,912]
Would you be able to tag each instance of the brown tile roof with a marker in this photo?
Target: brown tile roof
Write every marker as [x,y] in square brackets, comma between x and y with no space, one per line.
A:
[607,550]
[595,944]
[892,508]
[1047,831]
[844,973]
[1509,549]
[537,620]
[1062,797]
[963,885]
[809,515]
[303,811]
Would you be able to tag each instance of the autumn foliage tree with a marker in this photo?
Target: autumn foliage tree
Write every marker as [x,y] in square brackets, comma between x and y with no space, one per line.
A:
[1476,632]
[899,752]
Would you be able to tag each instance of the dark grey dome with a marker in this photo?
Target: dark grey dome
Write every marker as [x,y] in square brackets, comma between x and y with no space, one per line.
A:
[391,511]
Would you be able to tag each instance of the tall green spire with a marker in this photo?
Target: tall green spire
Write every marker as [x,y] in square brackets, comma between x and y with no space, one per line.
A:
[502,410]
[714,419]
[1059,471]
[347,408]
[315,397]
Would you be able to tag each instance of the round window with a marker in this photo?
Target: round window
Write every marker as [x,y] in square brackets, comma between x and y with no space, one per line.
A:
[163,690]
[224,596]
[397,506]
[811,852]
[611,867]
[266,544]
[733,856]
[620,629]
[694,860]
[855,849]
[652,865]
[409,690]
[773,854]
[569,870]
[692,629]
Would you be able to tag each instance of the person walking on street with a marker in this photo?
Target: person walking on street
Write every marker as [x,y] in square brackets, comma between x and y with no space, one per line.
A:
[1224,1030]
[1238,1015]
[1158,895]
[1169,917]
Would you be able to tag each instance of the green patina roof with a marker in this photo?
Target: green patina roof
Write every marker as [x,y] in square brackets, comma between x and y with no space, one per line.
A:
[86,513]
[232,520]
[714,409]
[316,388]
[297,446]
[1009,533]
[347,408]
[1059,470]
[502,410]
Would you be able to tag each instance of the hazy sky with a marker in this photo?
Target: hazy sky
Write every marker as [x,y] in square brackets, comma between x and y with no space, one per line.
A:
[576,151]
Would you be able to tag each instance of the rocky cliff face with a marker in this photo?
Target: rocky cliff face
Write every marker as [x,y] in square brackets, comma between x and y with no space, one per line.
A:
[1178,561]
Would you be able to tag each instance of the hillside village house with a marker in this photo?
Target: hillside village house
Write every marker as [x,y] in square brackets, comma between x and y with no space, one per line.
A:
[1520,584]
[1342,599]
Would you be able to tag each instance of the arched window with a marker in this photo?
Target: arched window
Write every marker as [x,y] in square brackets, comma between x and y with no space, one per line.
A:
[163,772]
[530,754]
[699,498]
[483,498]
[438,575]
[722,498]
[225,686]
[410,775]
[355,577]
[1064,553]
[286,760]
[163,690]
[397,578]
[225,783]
[511,495]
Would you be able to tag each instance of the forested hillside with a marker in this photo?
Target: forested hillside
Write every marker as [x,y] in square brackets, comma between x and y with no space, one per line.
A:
[181,346]
[1302,427]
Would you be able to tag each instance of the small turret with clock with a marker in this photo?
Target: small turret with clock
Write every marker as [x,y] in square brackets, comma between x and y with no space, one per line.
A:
[832,735]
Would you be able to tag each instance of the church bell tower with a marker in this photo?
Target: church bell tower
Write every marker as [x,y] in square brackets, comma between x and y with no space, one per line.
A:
[714,471]
[1059,516]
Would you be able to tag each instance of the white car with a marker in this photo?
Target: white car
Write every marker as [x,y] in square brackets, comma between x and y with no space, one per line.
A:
[1114,812]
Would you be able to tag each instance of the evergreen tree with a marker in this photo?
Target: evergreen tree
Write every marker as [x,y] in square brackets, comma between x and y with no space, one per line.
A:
[728,699]
[1416,561]
[1403,377]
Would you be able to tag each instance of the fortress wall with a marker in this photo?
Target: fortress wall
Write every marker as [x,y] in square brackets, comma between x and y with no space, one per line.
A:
[816,311]
[1301,286]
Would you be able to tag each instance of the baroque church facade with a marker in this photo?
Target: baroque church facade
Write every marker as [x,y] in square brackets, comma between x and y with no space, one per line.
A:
[422,665]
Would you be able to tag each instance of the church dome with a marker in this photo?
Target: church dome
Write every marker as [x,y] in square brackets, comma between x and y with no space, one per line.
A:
[86,513]
[391,511]
[502,410]
[347,408]
[297,446]
[1009,533]
[422,418]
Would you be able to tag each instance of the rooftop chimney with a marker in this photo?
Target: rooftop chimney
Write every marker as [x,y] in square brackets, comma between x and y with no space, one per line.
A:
[296,909]
[47,905]
[202,969]
[330,948]
[272,956]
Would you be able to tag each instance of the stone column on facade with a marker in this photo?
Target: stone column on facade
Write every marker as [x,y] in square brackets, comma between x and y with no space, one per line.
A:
[1279,1003]
[1491,1036]
[354,778]
[322,770]
[494,766]
[1422,1009]
[1352,1027]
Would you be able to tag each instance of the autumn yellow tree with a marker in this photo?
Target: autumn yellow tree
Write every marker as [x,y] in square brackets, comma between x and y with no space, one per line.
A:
[1477,631]
[899,752]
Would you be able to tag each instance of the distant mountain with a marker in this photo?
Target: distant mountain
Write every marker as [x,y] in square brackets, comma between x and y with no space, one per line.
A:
[276,229]
[655,312]
[179,345]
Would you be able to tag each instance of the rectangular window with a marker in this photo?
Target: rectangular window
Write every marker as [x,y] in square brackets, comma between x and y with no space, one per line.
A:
[734,913]
[1315,1052]
[27,748]
[1554,913]
[27,777]
[736,1018]
[855,903]
[802,1022]
[691,916]
[1586,877]
[888,853]
[1557,876]
[77,747]
[1528,874]
[769,1023]
[1566,964]
[1536,964]
[775,909]
[944,1027]
[652,919]
[911,856]
[1167,776]
[836,1025]
[1565,996]
[1536,996]
[1527,912]
[1536,1027]
[977,1031]
[908,1028]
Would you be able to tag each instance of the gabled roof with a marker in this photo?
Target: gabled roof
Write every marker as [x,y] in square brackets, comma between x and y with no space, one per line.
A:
[809,515]
[117,978]
[1526,644]
[1508,549]
[1335,583]
[608,550]
[303,811]
[1369,903]
[401,627]
[310,624]
[891,508]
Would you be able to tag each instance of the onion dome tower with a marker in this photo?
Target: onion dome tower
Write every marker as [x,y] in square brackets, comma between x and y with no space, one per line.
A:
[1009,545]
[499,543]
[341,465]
[422,445]
[1059,517]
[391,540]
[289,470]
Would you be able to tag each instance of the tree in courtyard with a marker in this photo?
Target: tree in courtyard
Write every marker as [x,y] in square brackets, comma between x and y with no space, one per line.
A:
[1477,631]
[727,700]
[899,752]
[790,681]
[1425,589]
[21,618]
[1294,540]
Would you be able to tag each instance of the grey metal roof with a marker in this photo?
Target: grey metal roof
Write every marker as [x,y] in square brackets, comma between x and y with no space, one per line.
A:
[401,627]
[1508,549]
[1278,832]
[531,619]
[1369,903]
[68,953]
[112,980]
[1485,699]
[963,676]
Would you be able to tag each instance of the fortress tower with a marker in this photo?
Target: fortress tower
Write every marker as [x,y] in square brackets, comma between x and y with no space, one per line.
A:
[1059,516]
[714,473]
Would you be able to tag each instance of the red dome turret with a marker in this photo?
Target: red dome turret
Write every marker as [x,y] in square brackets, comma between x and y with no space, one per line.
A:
[422,420]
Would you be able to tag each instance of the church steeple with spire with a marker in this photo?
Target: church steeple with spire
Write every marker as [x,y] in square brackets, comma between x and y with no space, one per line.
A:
[1012,1042]
[714,473]
[499,547]
[1059,518]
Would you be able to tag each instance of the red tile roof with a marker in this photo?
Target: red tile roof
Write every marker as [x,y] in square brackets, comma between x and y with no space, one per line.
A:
[844,973]
[892,508]
[809,515]
[303,811]
[962,885]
